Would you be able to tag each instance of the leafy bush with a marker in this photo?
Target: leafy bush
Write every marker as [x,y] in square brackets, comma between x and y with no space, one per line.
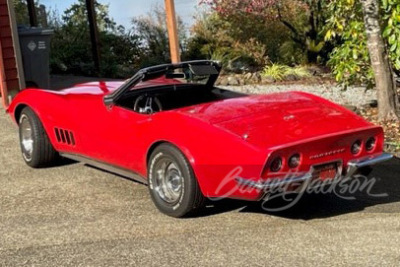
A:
[276,71]
[224,56]
[290,53]
[391,17]
[252,46]
[254,52]
[302,21]
[281,72]
[299,72]
[350,60]
[210,38]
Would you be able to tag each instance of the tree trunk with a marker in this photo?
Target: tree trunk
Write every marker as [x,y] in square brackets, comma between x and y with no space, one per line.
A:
[384,79]
[94,34]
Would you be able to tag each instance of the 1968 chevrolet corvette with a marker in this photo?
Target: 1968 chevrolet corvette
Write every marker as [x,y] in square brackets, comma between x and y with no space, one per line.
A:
[169,127]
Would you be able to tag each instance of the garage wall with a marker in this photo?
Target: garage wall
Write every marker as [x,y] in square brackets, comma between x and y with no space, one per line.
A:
[10,82]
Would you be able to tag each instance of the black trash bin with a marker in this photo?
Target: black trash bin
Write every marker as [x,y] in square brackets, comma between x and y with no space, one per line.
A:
[35,50]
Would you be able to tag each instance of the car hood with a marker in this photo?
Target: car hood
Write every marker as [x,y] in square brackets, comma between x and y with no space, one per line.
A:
[277,119]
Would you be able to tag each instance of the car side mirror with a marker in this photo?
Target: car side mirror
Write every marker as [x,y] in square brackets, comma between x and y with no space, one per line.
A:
[108,101]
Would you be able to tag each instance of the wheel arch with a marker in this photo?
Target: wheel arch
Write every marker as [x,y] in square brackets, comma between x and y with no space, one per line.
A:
[155,144]
[18,111]
[191,158]
[17,114]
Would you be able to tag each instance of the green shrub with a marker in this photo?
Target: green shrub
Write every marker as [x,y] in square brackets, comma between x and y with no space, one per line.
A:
[275,22]
[350,61]
[276,71]
[253,44]
[290,53]
[280,72]
[299,72]
[225,56]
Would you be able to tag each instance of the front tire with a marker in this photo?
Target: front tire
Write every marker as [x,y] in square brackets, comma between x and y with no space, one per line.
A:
[172,184]
[37,151]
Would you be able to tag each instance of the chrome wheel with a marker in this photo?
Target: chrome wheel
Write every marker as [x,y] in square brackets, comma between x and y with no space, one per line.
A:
[26,137]
[169,181]
[173,185]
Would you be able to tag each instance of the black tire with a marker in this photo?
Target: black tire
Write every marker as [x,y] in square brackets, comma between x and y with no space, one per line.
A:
[40,153]
[179,203]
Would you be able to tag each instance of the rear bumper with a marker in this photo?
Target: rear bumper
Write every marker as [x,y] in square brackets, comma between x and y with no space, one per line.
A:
[352,167]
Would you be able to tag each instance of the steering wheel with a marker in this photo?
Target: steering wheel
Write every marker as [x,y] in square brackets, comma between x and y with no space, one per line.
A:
[147,104]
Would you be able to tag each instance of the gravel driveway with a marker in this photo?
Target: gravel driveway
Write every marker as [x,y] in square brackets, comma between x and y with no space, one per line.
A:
[354,96]
[75,215]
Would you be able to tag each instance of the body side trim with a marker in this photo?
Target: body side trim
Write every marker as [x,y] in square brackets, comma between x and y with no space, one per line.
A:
[107,167]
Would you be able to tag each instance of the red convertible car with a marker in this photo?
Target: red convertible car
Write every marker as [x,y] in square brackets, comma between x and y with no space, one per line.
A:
[169,127]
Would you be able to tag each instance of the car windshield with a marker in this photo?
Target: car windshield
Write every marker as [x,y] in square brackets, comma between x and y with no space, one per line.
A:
[185,75]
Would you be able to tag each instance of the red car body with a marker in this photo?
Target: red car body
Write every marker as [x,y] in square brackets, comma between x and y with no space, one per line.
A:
[216,137]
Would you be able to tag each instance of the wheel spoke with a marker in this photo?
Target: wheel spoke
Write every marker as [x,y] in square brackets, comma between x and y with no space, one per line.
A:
[168,181]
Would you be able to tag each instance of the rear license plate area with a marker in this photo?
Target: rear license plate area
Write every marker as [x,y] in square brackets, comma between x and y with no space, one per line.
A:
[324,172]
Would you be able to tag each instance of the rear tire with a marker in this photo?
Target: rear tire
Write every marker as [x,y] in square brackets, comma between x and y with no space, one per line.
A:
[37,151]
[172,184]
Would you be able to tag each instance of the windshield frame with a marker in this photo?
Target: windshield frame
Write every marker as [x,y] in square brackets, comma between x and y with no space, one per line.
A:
[155,72]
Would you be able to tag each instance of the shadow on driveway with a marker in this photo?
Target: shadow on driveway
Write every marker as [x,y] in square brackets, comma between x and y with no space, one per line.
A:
[314,206]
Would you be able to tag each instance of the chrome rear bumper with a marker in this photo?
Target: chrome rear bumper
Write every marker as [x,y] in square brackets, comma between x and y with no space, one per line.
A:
[352,167]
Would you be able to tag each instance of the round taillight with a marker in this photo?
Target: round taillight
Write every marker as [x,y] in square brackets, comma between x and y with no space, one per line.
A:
[294,161]
[370,144]
[276,164]
[356,147]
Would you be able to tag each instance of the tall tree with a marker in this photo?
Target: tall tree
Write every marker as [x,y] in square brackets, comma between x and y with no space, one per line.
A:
[71,48]
[94,33]
[305,19]
[153,33]
[22,14]
[385,82]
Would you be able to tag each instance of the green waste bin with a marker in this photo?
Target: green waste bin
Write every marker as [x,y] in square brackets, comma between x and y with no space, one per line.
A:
[35,50]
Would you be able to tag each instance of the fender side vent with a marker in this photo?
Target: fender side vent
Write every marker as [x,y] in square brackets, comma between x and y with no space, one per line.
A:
[64,136]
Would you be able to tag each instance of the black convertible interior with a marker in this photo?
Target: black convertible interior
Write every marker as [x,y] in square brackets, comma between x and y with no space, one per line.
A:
[171,86]
[171,97]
